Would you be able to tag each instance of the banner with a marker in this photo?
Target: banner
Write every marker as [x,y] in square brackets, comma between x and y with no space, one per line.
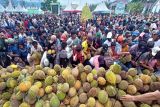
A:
[120,8]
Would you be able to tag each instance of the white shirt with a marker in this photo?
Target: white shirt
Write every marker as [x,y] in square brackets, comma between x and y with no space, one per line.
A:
[157,43]
[69,52]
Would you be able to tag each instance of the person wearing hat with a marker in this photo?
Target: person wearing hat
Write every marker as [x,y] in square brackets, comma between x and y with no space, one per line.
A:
[109,39]
[69,48]
[156,37]
[55,42]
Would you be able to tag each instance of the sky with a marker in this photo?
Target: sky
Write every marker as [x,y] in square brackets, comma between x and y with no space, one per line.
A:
[65,2]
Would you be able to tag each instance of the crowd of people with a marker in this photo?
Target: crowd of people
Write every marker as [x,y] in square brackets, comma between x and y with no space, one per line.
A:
[46,40]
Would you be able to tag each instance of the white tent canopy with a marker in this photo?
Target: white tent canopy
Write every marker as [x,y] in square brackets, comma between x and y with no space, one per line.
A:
[2,9]
[79,8]
[19,8]
[68,8]
[102,8]
[10,8]
[156,7]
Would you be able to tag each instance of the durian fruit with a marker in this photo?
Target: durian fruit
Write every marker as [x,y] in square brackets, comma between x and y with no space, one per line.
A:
[94,72]
[115,68]
[39,67]
[91,102]
[46,104]
[61,95]
[24,105]
[110,77]
[48,80]
[94,83]
[57,68]
[129,104]
[101,72]
[102,96]
[98,104]
[123,75]
[65,87]
[24,86]
[82,105]
[145,78]
[83,77]
[145,105]
[2,86]
[111,90]
[74,101]
[130,79]
[93,92]
[65,73]
[54,101]
[118,79]
[19,95]
[132,72]
[86,87]
[88,69]
[78,85]
[70,80]
[120,93]
[6,96]
[109,103]
[131,89]
[11,83]
[118,104]
[155,86]
[33,92]
[48,89]
[75,72]
[80,68]
[123,85]
[72,92]
[39,103]
[90,77]
[138,83]
[146,72]
[51,72]
[39,74]
[83,98]
[38,84]
[41,92]
[10,69]
[7,104]
[15,74]
[101,81]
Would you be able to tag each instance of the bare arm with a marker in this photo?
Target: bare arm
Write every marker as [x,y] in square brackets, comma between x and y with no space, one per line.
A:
[144,97]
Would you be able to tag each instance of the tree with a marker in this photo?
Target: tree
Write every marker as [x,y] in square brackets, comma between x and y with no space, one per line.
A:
[46,5]
[135,7]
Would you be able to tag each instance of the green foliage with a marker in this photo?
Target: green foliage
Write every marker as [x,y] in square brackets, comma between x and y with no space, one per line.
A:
[46,4]
[135,7]
[86,13]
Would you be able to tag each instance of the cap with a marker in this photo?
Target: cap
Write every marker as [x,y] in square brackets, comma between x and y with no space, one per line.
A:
[109,35]
[155,32]
[155,50]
